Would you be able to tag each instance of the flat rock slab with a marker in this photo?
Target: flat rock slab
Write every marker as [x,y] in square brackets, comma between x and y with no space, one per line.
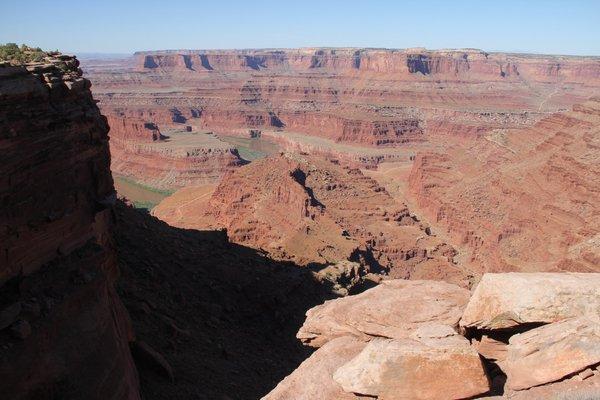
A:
[417,369]
[393,309]
[511,299]
[313,379]
[551,352]
[568,389]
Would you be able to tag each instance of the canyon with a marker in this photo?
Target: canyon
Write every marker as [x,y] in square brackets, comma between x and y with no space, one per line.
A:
[331,224]
[314,211]
[363,105]
[463,139]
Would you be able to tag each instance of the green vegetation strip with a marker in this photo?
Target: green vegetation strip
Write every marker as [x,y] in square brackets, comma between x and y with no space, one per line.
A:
[142,196]
[129,181]
[20,55]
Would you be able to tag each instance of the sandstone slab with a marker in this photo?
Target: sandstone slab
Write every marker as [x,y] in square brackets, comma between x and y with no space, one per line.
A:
[490,348]
[511,299]
[551,352]
[393,309]
[313,379]
[424,369]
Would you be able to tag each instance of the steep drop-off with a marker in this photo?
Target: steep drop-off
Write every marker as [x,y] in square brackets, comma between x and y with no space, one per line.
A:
[211,319]
[63,330]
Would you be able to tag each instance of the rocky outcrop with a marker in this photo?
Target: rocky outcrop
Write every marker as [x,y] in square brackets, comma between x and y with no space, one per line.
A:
[553,351]
[313,211]
[412,349]
[427,368]
[63,330]
[509,300]
[388,310]
[538,328]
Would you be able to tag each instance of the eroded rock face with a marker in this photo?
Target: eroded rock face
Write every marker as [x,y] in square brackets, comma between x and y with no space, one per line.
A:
[551,352]
[424,369]
[313,210]
[69,337]
[319,99]
[519,199]
[512,299]
[393,309]
[140,151]
[55,164]
[408,63]
[313,379]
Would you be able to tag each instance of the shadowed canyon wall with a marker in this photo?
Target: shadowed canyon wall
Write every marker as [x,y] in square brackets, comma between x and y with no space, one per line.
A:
[63,330]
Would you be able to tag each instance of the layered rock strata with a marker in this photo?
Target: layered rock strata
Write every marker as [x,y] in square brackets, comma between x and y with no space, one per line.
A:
[520,200]
[365,97]
[140,151]
[63,330]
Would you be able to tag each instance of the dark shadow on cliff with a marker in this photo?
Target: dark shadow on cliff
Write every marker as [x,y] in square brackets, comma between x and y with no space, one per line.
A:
[223,315]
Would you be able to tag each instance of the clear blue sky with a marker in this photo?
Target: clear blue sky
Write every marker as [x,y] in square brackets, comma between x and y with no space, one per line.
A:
[124,26]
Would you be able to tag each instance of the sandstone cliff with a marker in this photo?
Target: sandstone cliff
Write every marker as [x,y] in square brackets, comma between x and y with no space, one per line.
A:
[491,66]
[140,151]
[396,101]
[63,329]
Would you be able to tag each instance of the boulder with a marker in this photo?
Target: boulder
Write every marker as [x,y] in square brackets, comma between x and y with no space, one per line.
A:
[490,348]
[551,352]
[508,300]
[425,367]
[393,309]
[343,276]
[567,389]
[313,379]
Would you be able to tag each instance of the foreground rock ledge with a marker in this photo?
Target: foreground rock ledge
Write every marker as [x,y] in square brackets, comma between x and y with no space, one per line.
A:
[551,352]
[512,299]
[436,368]
[391,310]
[313,379]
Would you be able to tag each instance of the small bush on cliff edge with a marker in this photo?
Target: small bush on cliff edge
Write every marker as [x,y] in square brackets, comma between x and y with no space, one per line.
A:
[19,55]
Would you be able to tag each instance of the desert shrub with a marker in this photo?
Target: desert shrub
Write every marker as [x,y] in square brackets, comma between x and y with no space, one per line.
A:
[19,55]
